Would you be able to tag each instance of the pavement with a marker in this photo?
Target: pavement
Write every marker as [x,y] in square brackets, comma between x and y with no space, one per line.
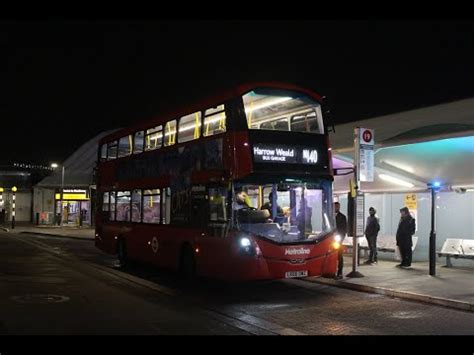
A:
[451,287]
[85,232]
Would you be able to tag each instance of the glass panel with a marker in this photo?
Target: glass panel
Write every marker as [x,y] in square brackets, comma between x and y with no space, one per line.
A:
[214,121]
[105,201]
[138,141]
[103,152]
[170,133]
[154,138]
[304,123]
[189,127]
[125,146]
[303,211]
[112,205]
[123,206]
[136,206]
[112,151]
[217,204]
[151,208]
[282,110]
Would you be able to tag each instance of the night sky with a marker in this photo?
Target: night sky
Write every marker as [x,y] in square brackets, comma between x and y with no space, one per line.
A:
[63,82]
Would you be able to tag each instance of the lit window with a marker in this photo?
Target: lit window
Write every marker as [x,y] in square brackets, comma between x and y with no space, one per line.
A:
[170,133]
[189,127]
[282,110]
[154,138]
[214,121]
[151,206]
[123,206]
[136,206]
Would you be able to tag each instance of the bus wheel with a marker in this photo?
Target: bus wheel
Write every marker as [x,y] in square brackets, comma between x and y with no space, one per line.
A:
[122,252]
[187,265]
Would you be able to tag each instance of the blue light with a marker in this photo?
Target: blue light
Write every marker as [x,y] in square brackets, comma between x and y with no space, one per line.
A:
[436,184]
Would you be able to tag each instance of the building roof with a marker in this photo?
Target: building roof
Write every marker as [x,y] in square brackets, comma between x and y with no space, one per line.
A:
[78,168]
[418,147]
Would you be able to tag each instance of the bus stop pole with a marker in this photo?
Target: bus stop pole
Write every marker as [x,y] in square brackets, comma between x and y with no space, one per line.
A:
[355,243]
[433,234]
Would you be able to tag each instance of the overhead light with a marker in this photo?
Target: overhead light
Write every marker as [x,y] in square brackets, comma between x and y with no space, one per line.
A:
[396,180]
[256,107]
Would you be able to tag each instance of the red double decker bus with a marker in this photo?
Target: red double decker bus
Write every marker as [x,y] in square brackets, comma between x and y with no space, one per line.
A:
[236,187]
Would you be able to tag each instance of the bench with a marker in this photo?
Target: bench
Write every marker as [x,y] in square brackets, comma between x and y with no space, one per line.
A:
[385,243]
[457,248]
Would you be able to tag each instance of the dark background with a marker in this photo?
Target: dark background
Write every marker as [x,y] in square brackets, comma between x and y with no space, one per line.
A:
[64,81]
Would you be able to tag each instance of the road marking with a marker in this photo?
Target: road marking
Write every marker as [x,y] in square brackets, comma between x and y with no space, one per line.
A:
[240,320]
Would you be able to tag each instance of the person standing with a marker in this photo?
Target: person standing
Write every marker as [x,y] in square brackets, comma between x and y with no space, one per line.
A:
[406,229]
[341,229]
[372,228]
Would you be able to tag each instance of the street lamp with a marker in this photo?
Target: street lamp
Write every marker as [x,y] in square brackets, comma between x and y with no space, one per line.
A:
[54,166]
[14,189]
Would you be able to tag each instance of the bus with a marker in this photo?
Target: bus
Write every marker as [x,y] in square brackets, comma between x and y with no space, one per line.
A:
[235,187]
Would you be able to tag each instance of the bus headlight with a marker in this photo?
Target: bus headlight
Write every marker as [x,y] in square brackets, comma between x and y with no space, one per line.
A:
[246,247]
[245,242]
[336,244]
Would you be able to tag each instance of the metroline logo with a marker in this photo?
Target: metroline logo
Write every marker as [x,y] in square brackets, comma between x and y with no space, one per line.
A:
[299,251]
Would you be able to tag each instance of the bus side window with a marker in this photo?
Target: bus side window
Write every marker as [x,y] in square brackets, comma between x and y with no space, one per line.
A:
[138,141]
[105,207]
[125,146]
[112,150]
[218,213]
[112,205]
[170,133]
[214,121]
[166,203]
[154,138]
[103,152]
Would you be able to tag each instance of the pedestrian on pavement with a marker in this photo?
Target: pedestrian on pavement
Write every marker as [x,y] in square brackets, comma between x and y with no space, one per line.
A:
[406,229]
[341,229]
[372,228]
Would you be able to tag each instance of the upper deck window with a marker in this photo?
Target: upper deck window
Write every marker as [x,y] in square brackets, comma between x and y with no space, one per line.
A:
[170,133]
[282,110]
[214,121]
[125,146]
[154,138]
[189,127]
[138,141]
[103,152]
[112,150]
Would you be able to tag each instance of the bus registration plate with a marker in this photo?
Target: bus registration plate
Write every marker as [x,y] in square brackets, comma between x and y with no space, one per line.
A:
[289,274]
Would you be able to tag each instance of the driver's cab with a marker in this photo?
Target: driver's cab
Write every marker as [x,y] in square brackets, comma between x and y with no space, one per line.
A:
[282,212]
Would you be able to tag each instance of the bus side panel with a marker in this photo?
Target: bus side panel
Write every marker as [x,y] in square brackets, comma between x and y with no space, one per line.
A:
[242,165]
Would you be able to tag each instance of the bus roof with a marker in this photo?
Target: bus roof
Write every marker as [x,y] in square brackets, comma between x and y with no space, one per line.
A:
[209,101]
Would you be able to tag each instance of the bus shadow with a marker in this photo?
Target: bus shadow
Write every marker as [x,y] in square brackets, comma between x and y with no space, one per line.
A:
[223,292]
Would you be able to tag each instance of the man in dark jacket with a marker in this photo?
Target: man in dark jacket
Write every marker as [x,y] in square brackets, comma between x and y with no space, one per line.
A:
[341,229]
[372,228]
[406,228]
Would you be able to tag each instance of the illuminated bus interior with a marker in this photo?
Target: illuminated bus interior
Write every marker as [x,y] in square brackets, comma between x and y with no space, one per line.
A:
[282,110]
[303,211]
